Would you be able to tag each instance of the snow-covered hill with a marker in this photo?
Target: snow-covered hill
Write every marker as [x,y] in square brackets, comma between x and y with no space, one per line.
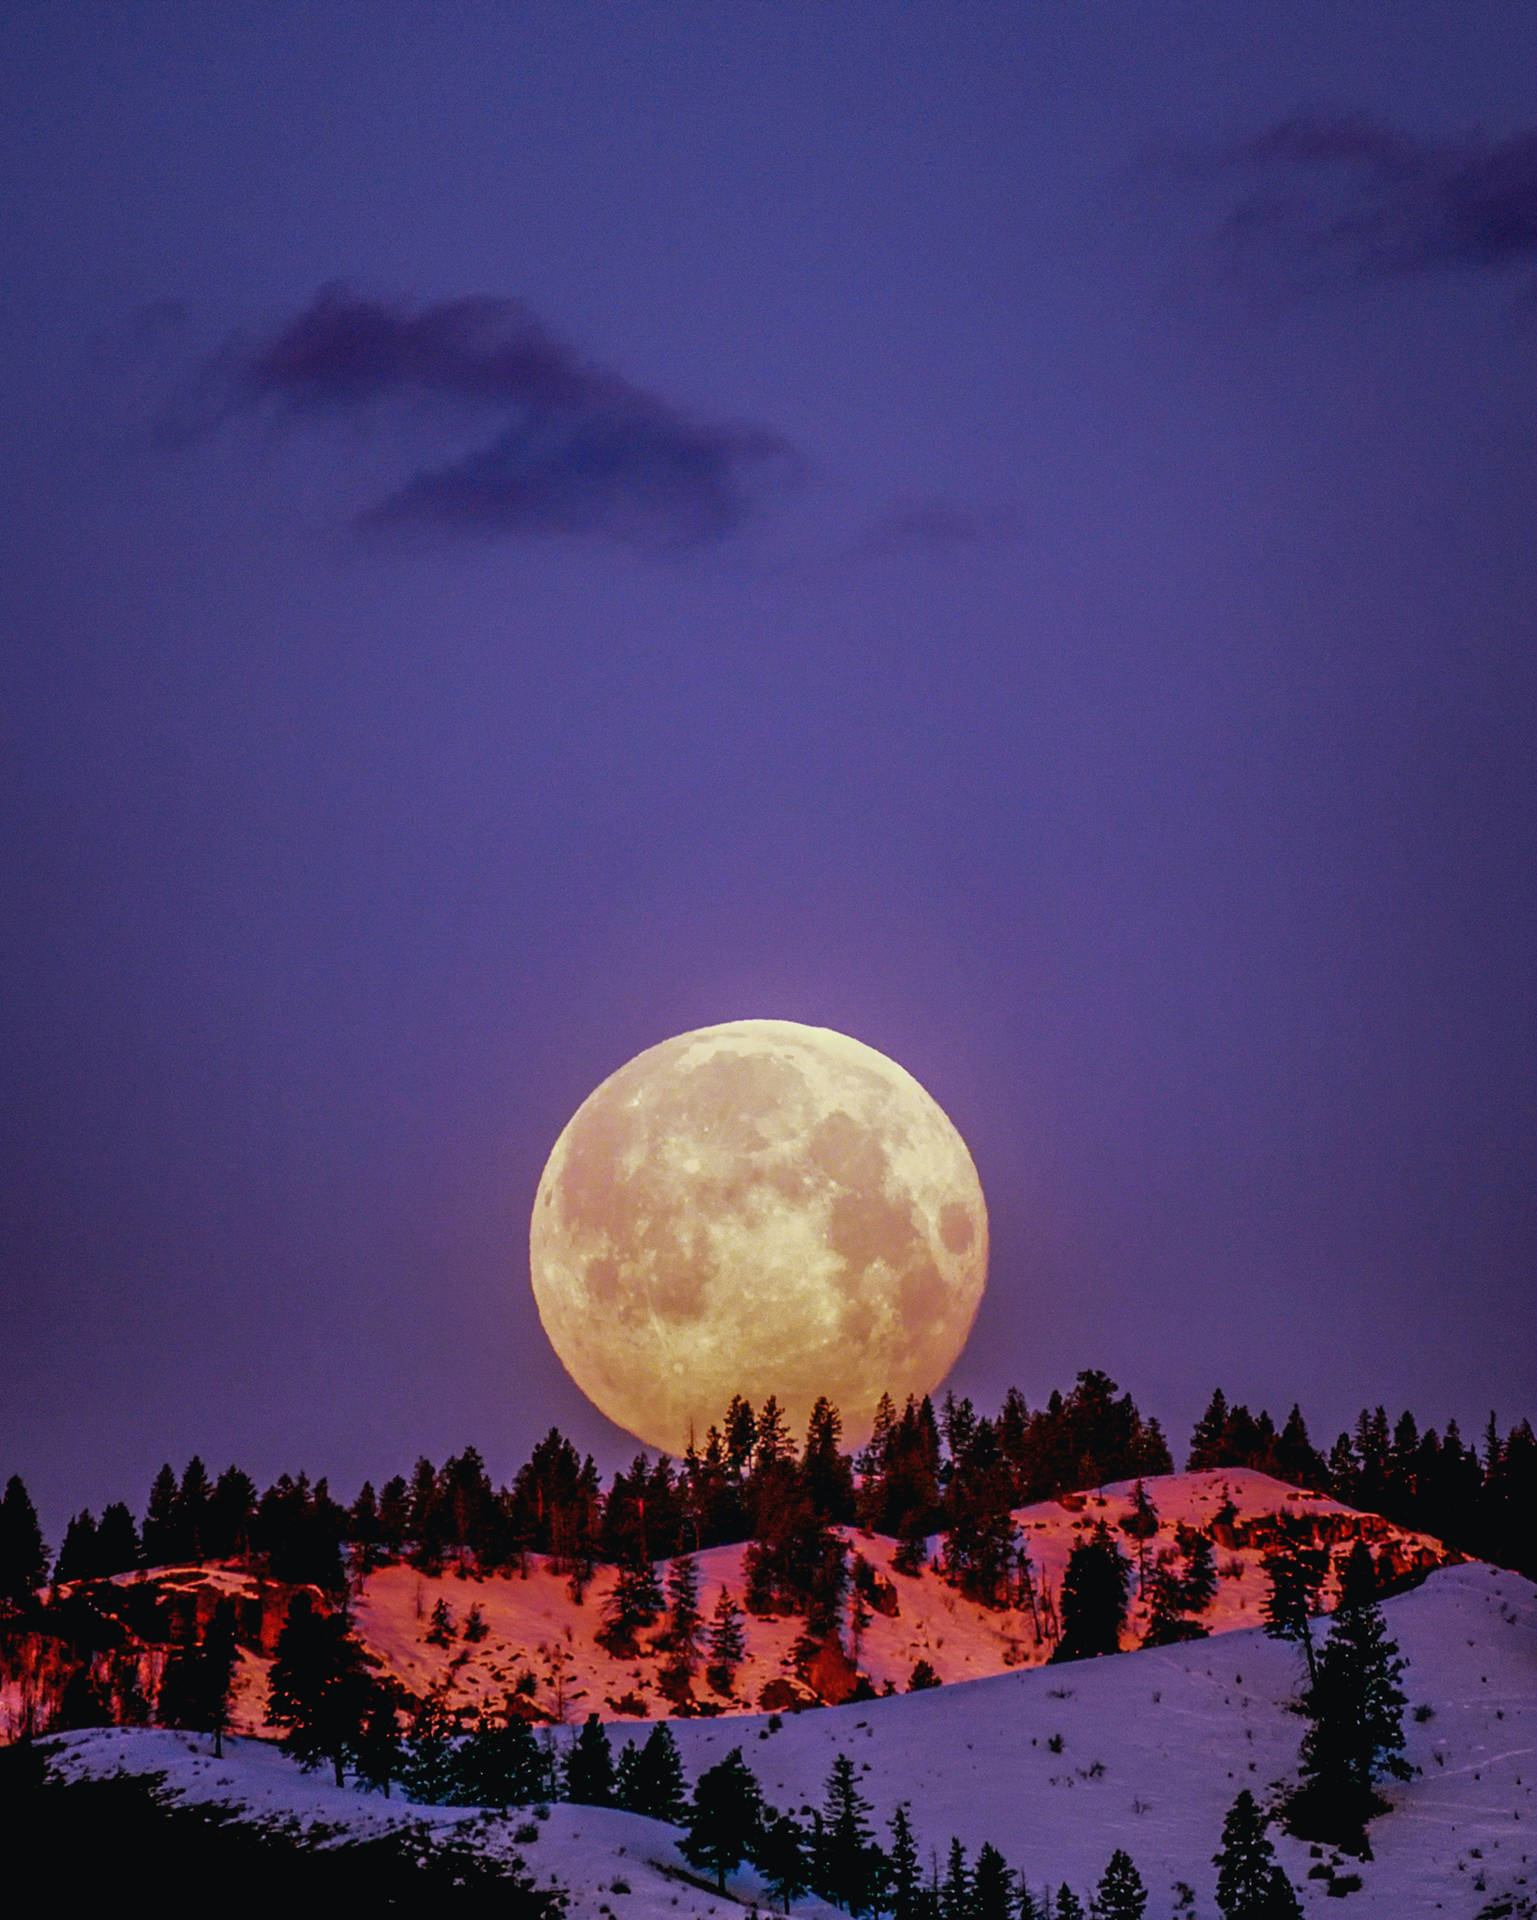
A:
[538,1636]
[1058,1766]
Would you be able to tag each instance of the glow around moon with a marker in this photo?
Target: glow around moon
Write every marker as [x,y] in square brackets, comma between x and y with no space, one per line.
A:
[757,1208]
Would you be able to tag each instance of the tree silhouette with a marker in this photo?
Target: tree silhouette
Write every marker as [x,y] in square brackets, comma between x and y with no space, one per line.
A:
[725,1817]
[1251,1885]
[320,1686]
[1355,1707]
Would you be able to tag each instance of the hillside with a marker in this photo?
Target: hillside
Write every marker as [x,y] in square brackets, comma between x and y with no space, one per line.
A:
[1143,1751]
[537,1635]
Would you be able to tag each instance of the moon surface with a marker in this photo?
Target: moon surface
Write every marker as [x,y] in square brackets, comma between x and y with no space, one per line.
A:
[757,1208]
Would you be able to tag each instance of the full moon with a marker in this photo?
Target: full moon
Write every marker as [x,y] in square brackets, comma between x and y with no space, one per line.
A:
[757,1208]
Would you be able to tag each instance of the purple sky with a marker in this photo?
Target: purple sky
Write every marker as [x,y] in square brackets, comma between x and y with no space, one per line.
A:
[1010,531]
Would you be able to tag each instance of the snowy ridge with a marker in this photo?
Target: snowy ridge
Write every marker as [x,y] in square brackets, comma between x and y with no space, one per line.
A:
[1154,1747]
[535,1630]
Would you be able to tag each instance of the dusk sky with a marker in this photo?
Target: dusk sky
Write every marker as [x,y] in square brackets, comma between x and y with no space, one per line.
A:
[1006,530]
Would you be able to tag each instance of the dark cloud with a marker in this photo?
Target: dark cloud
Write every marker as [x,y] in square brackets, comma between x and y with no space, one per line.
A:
[554,444]
[1344,194]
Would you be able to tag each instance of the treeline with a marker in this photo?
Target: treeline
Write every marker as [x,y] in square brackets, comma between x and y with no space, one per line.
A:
[951,1472]
[1482,1502]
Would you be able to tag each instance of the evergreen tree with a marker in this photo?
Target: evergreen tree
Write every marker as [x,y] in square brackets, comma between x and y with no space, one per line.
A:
[827,1476]
[377,1755]
[499,1764]
[683,1612]
[635,1602]
[162,1539]
[429,1767]
[780,1855]
[590,1766]
[626,1787]
[227,1514]
[1199,1580]
[394,1515]
[23,1556]
[1251,1885]
[992,1886]
[1093,1598]
[725,1817]
[79,1557]
[850,1868]
[1168,1622]
[1069,1906]
[906,1875]
[1120,1894]
[1208,1441]
[195,1687]
[191,1510]
[659,1785]
[1294,1573]
[955,1888]
[320,1688]
[1140,1525]
[1355,1708]
[117,1541]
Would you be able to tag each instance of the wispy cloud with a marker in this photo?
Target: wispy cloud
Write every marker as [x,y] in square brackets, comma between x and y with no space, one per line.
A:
[545,442]
[1342,195]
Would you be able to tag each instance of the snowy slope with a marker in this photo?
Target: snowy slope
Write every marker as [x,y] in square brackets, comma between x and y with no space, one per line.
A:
[536,1630]
[1154,1746]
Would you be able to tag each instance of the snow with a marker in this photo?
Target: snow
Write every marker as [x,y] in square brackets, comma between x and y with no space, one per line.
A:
[1154,1746]
[536,1630]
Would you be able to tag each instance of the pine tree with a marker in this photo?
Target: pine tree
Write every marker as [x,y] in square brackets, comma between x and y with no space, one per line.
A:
[1294,1573]
[117,1541]
[657,1787]
[850,1868]
[162,1539]
[992,1885]
[440,1629]
[1167,1620]
[1199,1581]
[23,1556]
[725,1817]
[634,1602]
[1069,1906]
[191,1509]
[195,1688]
[727,1645]
[1120,1894]
[955,1888]
[320,1688]
[780,1854]
[683,1612]
[1140,1525]
[1355,1707]
[906,1875]
[377,1755]
[590,1766]
[1250,1883]
[1093,1598]
[627,1790]
[1208,1442]
[79,1556]
[429,1767]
